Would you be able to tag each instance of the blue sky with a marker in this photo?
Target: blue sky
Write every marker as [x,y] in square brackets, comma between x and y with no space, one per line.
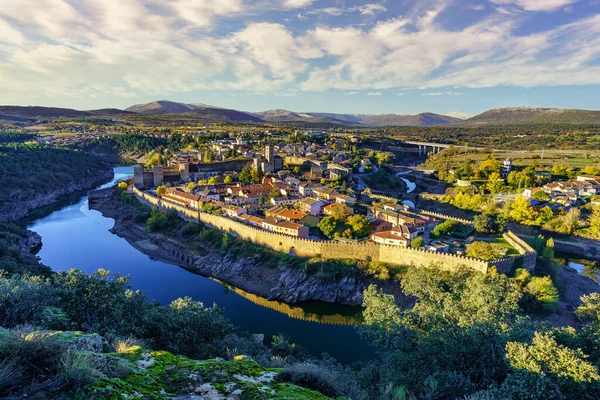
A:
[458,57]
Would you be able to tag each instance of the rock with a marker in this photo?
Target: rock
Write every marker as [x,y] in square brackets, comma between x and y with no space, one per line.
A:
[259,338]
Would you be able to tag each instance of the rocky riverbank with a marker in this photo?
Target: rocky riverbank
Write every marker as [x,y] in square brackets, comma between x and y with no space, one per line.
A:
[250,273]
[21,208]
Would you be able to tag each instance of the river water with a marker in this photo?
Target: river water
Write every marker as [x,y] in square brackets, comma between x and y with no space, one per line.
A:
[76,237]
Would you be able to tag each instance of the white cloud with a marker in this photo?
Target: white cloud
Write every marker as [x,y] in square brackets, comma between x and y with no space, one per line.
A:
[537,5]
[374,94]
[372,9]
[441,94]
[401,94]
[91,48]
[297,3]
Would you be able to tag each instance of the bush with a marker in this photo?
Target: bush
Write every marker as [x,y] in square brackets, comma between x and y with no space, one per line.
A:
[78,370]
[312,376]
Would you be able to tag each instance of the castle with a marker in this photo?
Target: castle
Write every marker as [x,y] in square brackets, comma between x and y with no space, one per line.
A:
[186,172]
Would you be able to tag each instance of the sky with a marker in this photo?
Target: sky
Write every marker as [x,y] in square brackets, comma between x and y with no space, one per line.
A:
[456,57]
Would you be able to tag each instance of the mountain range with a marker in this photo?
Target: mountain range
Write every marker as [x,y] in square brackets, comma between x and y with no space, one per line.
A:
[208,113]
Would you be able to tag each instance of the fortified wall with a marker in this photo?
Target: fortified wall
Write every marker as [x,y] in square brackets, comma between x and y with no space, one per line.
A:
[325,249]
[444,216]
[528,254]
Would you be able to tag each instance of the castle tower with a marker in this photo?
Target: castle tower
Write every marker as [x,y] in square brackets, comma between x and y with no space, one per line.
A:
[159,175]
[270,153]
[184,171]
[138,176]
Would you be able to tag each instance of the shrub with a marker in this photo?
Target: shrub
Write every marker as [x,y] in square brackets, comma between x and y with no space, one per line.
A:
[311,376]
[78,370]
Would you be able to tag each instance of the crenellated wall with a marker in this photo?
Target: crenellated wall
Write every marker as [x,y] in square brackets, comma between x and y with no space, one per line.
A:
[444,216]
[528,253]
[325,249]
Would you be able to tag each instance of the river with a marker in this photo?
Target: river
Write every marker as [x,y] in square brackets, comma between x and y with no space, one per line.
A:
[76,237]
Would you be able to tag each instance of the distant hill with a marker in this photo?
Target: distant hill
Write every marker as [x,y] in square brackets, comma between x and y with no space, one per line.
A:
[166,107]
[109,112]
[290,116]
[424,119]
[42,112]
[530,115]
[221,114]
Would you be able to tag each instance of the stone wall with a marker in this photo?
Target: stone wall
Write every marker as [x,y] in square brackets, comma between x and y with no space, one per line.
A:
[528,254]
[324,249]
[444,216]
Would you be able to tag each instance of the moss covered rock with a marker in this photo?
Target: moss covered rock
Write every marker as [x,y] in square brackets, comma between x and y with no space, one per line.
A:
[162,375]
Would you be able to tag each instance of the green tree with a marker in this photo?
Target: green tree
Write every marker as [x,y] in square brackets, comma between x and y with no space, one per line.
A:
[483,223]
[495,183]
[256,175]
[360,225]
[543,292]
[339,213]
[228,179]
[489,166]
[594,221]
[245,176]
[122,186]
[191,186]
[545,357]
[417,242]
[328,226]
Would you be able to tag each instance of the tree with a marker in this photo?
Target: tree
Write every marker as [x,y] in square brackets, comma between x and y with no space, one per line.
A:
[595,221]
[520,210]
[443,229]
[540,195]
[328,226]
[191,186]
[360,225]
[542,292]
[495,183]
[489,166]
[483,223]
[417,242]
[213,180]
[548,251]
[485,251]
[161,190]
[256,175]
[228,179]
[339,213]
[123,186]
[546,357]
[245,176]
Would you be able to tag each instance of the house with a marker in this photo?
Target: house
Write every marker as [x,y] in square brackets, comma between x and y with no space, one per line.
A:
[252,220]
[235,200]
[285,227]
[296,216]
[306,188]
[209,194]
[326,193]
[234,211]
[184,198]
[390,238]
[594,180]
[310,206]
[284,200]
[328,209]
[438,247]
[345,199]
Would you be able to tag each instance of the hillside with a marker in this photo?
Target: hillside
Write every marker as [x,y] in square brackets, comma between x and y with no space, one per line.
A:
[221,115]
[424,119]
[43,112]
[530,115]
[109,112]
[290,116]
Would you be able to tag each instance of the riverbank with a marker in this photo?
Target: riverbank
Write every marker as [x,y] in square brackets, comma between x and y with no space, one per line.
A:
[20,209]
[276,281]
